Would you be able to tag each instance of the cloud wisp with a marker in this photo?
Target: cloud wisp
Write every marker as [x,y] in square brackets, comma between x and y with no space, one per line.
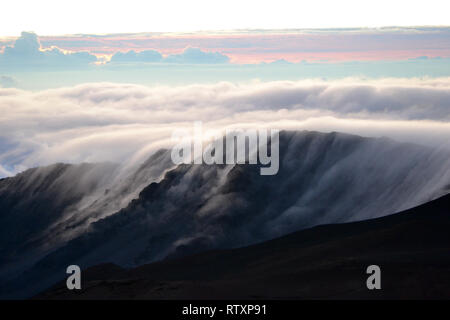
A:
[7,81]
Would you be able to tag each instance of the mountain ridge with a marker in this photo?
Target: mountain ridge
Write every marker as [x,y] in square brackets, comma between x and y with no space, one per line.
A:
[324,178]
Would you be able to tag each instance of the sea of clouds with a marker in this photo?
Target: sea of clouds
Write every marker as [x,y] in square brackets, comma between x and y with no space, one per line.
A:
[96,122]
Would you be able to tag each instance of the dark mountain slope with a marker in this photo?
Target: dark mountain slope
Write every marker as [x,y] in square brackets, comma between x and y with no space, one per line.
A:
[35,199]
[412,248]
[323,178]
[43,208]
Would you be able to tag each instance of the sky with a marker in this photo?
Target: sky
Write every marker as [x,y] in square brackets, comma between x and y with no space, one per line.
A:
[103,81]
[52,17]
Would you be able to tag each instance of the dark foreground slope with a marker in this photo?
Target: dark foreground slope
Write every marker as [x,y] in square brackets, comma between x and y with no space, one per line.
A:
[326,262]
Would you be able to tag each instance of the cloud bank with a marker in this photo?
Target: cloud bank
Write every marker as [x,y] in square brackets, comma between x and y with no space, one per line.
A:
[196,55]
[26,52]
[121,122]
[188,56]
[255,46]
[133,56]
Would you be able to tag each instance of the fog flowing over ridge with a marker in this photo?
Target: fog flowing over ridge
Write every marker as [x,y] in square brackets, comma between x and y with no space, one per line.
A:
[51,205]
[99,122]
[323,178]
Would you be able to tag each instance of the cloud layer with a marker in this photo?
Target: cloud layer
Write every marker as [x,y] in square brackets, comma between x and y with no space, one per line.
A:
[254,46]
[119,122]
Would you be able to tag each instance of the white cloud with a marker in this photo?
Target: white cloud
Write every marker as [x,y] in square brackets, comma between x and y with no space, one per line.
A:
[106,121]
